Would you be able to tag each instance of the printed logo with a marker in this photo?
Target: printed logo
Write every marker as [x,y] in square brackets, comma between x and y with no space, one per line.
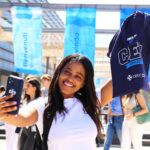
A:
[12,91]
[131,54]
[131,37]
[140,75]
[129,77]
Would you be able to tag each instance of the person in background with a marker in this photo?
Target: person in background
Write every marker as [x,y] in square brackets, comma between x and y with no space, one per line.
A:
[12,133]
[26,80]
[132,132]
[2,90]
[11,137]
[46,81]
[32,92]
[114,122]
[73,105]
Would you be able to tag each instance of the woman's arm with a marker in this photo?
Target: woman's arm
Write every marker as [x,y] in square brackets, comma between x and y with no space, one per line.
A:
[26,117]
[106,93]
[142,103]
[123,99]
[109,112]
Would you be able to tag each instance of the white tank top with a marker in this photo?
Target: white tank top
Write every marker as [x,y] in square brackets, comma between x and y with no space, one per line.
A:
[130,103]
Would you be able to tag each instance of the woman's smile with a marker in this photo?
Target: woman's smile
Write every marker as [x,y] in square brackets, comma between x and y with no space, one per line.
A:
[66,83]
[71,79]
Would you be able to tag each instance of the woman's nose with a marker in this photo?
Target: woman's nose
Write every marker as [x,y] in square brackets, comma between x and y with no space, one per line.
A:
[71,78]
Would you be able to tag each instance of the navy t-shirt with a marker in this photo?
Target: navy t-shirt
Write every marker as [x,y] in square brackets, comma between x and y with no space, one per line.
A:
[130,55]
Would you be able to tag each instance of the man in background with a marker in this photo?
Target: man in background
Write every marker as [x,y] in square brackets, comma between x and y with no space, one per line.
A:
[46,81]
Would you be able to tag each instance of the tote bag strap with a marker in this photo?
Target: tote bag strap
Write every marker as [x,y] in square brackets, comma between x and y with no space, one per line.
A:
[46,129]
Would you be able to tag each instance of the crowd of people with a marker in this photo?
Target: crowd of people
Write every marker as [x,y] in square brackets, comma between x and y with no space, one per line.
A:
[70,100]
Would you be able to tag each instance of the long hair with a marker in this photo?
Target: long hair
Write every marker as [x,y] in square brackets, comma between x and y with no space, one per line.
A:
[86,95]
[35,83]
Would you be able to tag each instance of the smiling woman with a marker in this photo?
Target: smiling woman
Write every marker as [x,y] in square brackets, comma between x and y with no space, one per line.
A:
[71,79]
[73,107]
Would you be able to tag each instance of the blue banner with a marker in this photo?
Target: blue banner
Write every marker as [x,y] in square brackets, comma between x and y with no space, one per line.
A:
[126,12]
[80,32]
[27,38]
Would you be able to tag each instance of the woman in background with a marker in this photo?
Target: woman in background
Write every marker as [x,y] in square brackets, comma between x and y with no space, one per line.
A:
[2,90]
[31,93]
[114,122]
[132,132]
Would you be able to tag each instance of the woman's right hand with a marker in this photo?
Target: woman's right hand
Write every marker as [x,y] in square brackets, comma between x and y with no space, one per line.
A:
[6,106]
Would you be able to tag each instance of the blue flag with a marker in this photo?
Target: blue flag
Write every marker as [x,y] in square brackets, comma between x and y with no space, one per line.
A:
[80,32]
[27,38]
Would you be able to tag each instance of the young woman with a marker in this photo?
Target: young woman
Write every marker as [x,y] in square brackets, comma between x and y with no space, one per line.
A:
[32,92]
[73,103]
[114,122]
[131,130]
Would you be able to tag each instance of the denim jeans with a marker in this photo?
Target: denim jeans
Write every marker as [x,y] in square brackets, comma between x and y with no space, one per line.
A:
[114,126]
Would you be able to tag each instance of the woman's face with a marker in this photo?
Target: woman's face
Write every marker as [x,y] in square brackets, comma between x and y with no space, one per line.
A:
[30,89]
[71,79]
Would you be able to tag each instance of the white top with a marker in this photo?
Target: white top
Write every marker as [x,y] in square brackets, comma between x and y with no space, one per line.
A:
[129,104]
[76,131]
[11,137]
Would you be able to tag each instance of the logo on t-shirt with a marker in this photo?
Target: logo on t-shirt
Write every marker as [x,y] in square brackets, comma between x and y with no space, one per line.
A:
[140,75]
[131,56]
[129,77]
[131,38]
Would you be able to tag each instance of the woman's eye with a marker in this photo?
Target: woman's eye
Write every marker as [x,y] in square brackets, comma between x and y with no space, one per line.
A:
[66,71]
[78,77]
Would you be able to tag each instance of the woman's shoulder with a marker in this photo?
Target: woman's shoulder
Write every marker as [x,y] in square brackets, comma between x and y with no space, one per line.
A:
[40,101]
